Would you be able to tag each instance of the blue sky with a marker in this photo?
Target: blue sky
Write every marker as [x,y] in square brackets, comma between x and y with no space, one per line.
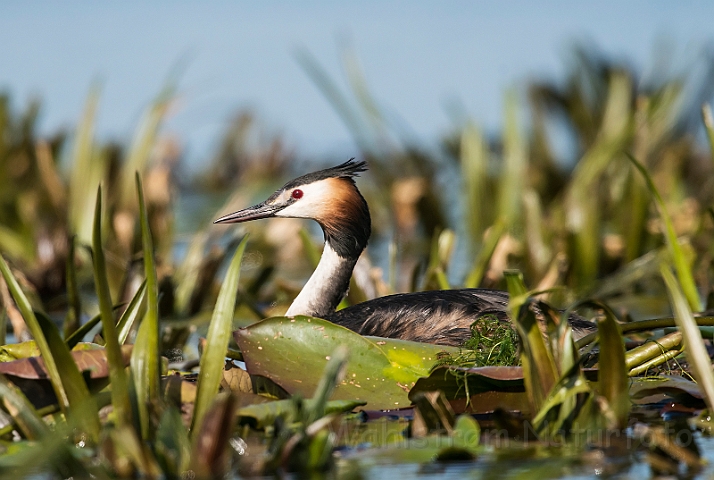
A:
[418,57]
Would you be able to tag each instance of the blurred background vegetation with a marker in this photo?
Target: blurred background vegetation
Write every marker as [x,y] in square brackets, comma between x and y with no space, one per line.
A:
[553,194]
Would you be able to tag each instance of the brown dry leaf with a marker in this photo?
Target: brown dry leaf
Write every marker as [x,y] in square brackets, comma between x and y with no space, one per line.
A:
[30,374]
[94,361]
[237,380]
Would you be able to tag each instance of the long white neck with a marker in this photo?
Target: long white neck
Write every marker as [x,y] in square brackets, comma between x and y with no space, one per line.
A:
[326,287]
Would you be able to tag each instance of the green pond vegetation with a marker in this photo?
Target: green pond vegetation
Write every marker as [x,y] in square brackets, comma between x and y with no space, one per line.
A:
[149,344]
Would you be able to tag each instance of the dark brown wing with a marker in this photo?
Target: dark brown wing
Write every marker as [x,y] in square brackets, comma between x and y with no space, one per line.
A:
[442,317]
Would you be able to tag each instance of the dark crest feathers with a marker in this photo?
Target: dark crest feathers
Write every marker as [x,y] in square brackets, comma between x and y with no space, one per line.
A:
[347,170]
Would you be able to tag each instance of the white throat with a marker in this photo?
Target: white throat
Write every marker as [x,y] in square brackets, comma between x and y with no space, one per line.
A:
[326,287]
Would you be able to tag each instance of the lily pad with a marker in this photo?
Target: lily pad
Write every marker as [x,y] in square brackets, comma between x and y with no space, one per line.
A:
[293,352]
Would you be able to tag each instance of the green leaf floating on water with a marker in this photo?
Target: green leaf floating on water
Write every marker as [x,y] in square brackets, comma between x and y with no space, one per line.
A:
[293,353]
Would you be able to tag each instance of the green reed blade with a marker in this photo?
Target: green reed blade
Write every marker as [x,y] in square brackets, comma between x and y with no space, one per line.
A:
[682,267]
[145,356]
[322,80]
[88,170]
[144,140]
[515,157]
[474,172]
[117,374]
[614,380]
[693,343]
[25,308]
[83,407]
[219,334]
[540,372]
[483,258]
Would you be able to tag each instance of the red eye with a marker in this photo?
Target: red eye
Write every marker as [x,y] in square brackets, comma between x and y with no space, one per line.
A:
[297,193]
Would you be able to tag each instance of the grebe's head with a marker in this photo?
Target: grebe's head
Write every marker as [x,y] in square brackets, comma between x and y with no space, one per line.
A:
[330,197]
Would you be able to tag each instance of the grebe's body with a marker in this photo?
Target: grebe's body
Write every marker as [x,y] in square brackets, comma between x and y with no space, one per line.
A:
[331,198]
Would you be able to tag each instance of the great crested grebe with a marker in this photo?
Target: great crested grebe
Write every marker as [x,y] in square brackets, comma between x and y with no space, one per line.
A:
[331,198]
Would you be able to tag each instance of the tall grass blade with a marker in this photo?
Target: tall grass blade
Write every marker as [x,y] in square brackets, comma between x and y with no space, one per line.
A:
[441,247]
[634,218]
[655,119]
[540,372]
[693,343]
[681,265]
[587,242]
[219,334]
[338,100]
[493,236]
[534,223]
[567,406]
[83,408]
[50,179]
[117,374]
[614,379]
[356,78]
[515,158]
[516,289]
[583,212]
[88,170]
[67,383]
[474,172]
[144,142]
[145,356]
[23,304]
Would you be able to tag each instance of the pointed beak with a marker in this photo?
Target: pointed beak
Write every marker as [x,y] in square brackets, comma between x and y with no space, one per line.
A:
[262,210]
